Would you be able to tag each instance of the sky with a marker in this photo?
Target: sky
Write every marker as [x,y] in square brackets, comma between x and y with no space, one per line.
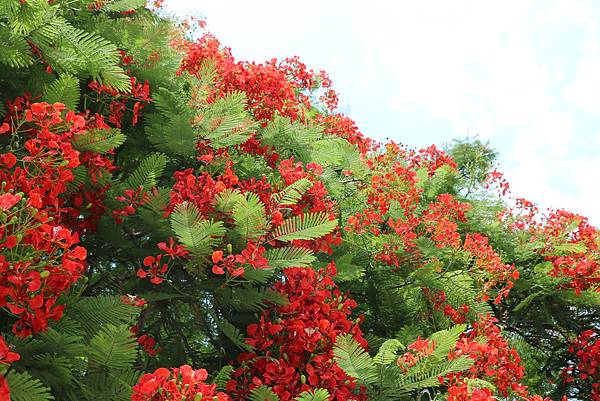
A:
[523,75]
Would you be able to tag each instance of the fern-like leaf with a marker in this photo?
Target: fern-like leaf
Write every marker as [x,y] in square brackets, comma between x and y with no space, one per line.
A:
[354,360]
[92,313]
[16,52]
[227,199]
[65,89]
[113,347]
[223,376]
[123,5]
[234,335]
[95,56]
[170,130]
[319,394]
[291,194]
[249,216]
[388,352]
[248,299]
[289,256]
[423,376]
[225,122]
[23,387]
[260,276]
[146,175]
[445,340]
[195,233]
[99,140]
[263,393]
[305,226]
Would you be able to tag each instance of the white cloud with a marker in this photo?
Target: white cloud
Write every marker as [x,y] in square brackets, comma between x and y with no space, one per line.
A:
[585,89]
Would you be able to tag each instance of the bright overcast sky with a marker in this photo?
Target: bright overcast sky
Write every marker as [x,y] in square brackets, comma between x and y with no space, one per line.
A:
[524,75]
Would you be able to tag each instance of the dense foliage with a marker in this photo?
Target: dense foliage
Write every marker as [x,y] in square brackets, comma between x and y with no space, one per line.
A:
[180,225]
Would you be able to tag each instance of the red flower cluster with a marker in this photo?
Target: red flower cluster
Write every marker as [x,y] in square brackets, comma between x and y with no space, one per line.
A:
[39,256]
[440,221]
[293,344]
[147,343]
[461,392]
[133,200]
[489,262]
[494,360]
[418,350]
[568,242]
[344,127]
[272,87]
[580,264]
[117,101]
[457,315]
[157,268]
[586,348]
[176,384]
[235,265]
[6,357]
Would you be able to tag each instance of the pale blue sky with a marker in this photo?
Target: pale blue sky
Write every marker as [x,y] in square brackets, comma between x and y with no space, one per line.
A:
[524,75]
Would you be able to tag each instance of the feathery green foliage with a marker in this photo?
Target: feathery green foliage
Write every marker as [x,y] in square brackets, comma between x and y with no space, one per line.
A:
[305,226]
[198,235]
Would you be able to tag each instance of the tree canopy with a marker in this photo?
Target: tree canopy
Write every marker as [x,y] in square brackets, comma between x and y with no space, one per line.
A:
[181,225]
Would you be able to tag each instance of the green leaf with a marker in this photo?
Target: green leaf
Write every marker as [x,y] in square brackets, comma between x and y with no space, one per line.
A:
[113,347]
[319,394]
[479,383]
[29,17]
[346,270]
[16,52]
[225,122]
[354,360]
[170,129]
[65,89]
[23,387]
[570,248]
[445,340]
[290,256]
[423,376]
[328,152]
[198,235]
[387,353]
[248,298]
[249,216]
[263,393]
[227,199]
[146,175]
[123,5]
[234,334]
[92,313]
[529,299]
[223,376]
[259,275]
[99,140]
[305,226]
[291,194]
[95,56]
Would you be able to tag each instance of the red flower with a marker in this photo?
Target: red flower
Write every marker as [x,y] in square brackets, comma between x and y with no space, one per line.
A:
[8,200]
[217,256]
[4,390]
[8,159]
[6,356]
[183,383]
